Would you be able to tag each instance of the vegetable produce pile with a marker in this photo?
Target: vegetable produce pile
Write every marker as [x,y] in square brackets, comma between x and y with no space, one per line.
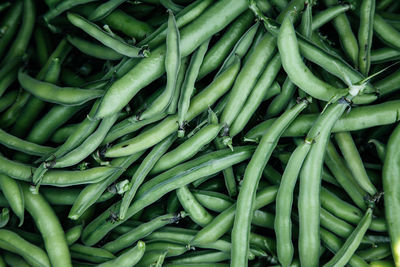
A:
[200,133]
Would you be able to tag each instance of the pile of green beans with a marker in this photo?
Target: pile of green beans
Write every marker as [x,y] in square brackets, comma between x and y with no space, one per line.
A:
[200,133]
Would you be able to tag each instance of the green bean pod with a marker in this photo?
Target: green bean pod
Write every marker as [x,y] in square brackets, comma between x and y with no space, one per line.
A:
[284,201]
[60,95]
[188,84]
[365,33]
[27,147]
[32,254]
[196,211]
[354,161]
[216,55]
[211,163]
[247,78]
[389,179]
[256,96]
[187,149]
[344,254]
[149,69]
[103,10]
[20,43]
[143,170]
[13,194]
[334,244]
[211,200]
[224,221]
[105,38]
[327,15]
[94,50]
[245,203]
[344,177]
[172,65]
[357,119]
[346,36]
[128,258]
[141,231]
[92,193]
[9,25]
[90,254]
[160,131]
[49,226]
[73,234]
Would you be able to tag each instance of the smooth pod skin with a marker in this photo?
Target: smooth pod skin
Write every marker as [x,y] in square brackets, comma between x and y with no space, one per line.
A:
[256,96]
[49,226]
[365,33]
[10,25]
[50,73]
[284,201]
[20,43]
[195,210]
[32,254]
[172,66]
[59,95]
[143,170]
[105,9]
[73,234]
[216,55]
[23,172]
[390,176]
[310,182]
[279,103]
[340,170]
[13,194]
[129,125]
[344,254]
[346,36]
[92,193]
[383,55]
[245,202]
[354,161]
[216,162]
[106,39]
[297,71]
[211,21]
[328,14]
[357,119]
[346,211]
[334,243]
[187,149]
[224,221]
[386,32]
[129,258]
[389,84]
[90,254]
[247,78]
[94,50]
[27,147]
[168,126]
[246,43]
[211,200]
[88,146]
[201,257]
[190,79]
[139,232]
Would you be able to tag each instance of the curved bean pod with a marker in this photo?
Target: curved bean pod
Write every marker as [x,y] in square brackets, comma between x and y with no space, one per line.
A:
[143,170]
[60,95]
[389,178]
[49,226]
[168,126]
[139,232]
[13,194]
[245,203]
[187,149]
[32,254]
[216,162]
[94,50]
[149,69]
[128,258]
